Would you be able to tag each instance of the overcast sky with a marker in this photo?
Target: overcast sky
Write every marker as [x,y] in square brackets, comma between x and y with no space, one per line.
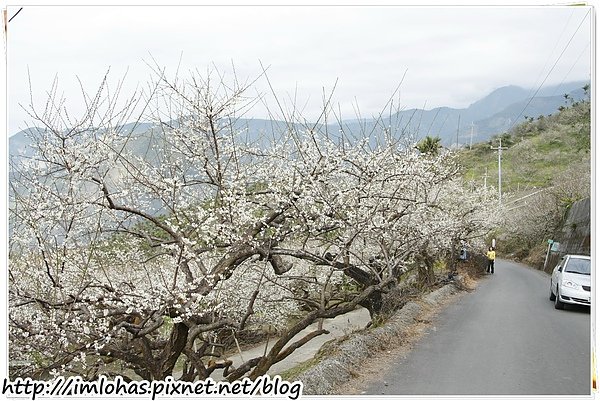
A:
[452,56]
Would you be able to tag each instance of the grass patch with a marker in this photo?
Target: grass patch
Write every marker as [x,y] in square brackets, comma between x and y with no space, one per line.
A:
[537,151]
[294,372]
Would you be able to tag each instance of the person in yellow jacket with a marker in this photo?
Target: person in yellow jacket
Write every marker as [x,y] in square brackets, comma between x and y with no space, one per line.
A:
[491,256]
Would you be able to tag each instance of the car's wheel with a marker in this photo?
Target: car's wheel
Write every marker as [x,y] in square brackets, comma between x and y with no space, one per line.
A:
[558,304]
[552,296]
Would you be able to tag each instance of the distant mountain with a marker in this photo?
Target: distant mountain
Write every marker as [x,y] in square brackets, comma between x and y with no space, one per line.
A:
[19,144]
[537,106]
[498,100]
[495,113]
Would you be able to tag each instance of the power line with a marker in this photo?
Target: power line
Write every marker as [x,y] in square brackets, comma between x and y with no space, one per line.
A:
[553,49]
[549,72]
[571,69]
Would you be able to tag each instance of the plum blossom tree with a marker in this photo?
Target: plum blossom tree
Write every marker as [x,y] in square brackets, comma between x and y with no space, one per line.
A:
[537,218]
[138,254]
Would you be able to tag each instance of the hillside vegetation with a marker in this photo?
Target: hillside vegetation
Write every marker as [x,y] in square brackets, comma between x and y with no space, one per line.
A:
[538,150]
[545,169]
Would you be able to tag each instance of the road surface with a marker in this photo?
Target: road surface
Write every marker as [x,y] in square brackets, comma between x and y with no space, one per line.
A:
[504,338]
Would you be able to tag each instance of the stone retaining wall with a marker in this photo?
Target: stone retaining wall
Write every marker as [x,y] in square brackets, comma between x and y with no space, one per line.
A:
[574,235]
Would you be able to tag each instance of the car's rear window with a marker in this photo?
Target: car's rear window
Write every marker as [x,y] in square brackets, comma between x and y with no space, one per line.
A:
[580,266]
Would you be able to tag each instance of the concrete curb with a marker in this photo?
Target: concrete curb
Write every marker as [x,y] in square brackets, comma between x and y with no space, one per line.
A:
[345,356]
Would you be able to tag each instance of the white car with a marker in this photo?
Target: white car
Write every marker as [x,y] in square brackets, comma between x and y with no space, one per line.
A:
[571,281]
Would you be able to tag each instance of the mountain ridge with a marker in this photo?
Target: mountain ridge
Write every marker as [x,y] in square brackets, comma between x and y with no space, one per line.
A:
[494,113]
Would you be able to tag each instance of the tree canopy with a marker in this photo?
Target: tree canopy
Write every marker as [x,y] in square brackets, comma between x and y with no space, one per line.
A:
[122,261]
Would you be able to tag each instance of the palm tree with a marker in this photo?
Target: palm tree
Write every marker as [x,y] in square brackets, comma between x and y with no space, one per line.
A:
[429,145]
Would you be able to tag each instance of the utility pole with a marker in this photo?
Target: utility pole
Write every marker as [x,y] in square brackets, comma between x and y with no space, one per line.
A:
[499,149]
[471,140]
[457,130]
[485,176]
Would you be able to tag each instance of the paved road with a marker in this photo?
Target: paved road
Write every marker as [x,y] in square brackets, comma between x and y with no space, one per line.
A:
[504,338]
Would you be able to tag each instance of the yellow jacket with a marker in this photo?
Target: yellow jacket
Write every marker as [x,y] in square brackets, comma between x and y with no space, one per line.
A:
[491,255]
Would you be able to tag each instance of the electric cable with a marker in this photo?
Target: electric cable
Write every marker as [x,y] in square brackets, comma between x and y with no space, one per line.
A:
[549,72]
[552,52]
[571,69]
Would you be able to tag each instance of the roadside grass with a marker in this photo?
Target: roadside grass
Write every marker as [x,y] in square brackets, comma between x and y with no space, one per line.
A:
[294,372]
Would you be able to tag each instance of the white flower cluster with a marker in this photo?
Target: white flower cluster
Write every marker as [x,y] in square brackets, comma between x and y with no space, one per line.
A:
[111,244]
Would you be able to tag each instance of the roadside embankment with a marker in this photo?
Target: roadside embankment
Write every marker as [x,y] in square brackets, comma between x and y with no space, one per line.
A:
[339,360]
